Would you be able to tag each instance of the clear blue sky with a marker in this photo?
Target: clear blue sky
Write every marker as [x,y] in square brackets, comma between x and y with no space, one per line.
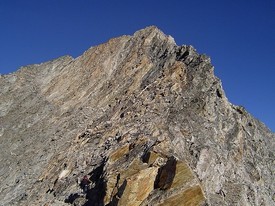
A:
[238,35]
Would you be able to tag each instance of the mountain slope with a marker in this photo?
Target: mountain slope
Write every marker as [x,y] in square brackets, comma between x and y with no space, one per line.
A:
[145,119]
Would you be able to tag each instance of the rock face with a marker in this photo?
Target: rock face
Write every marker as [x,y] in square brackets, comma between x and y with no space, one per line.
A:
[145,119]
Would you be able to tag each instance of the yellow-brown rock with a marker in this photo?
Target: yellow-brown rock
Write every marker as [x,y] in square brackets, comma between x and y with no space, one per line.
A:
[151,157]
[125,177]
[190,197]
[138,187]
[183,175]
[119,153]
[174,174]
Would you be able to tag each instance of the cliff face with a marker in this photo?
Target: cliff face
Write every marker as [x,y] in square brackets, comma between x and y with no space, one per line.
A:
[145,119]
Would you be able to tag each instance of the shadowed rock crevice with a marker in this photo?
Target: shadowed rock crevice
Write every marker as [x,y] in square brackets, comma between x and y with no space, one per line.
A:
[118,195]
[166,174]
[181,54]
[72,198]
[95,195]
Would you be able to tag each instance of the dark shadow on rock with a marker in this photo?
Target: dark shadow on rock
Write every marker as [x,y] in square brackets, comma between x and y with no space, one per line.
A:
[95,195]
[118,195]
[145,157]
[181,55]
[72,198]
[166,174]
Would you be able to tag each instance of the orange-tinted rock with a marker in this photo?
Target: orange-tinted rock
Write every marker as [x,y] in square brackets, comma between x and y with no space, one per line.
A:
[190,197]
[119,153]
[138,187]
[174,174]
[183,175]
[150,157]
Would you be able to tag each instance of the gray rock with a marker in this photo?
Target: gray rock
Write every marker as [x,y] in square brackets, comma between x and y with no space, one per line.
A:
[120,113]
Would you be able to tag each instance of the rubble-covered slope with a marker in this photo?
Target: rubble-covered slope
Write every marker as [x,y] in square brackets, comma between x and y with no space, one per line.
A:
[145,119]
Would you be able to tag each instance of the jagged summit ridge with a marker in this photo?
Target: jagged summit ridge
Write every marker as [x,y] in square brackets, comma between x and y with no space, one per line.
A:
[145,119]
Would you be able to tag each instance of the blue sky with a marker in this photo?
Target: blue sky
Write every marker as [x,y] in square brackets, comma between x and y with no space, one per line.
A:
[238,35]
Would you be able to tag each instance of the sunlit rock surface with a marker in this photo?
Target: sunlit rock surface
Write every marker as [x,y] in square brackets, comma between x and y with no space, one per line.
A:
[145,119]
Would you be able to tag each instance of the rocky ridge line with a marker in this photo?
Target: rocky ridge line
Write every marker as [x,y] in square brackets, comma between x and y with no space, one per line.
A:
[146,119]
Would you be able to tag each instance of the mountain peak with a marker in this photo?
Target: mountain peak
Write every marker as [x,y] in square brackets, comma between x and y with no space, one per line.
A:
[146,121]
[153,31]
[149,30]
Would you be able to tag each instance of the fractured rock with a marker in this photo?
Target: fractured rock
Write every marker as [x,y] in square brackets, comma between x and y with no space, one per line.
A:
[147,121]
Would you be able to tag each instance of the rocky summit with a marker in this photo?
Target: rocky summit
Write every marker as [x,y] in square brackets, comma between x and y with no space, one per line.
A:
[145,120]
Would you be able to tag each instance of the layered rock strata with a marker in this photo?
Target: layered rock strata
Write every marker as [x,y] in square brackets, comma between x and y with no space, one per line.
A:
[145,119]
